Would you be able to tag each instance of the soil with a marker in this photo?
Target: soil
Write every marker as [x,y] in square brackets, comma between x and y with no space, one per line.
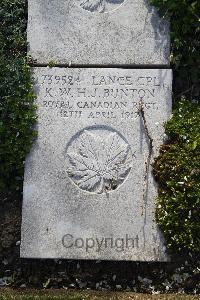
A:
[96,275]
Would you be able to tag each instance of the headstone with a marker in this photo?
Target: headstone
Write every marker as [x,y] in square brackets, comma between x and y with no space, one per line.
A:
[89,192]
[97,32]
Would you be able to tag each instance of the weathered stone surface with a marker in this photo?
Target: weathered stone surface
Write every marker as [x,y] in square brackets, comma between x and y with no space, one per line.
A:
[97,32]
[85,192]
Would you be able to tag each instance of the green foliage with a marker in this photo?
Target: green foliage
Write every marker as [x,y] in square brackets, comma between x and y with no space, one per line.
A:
[177,169]
[13,28]
[17,111]
[51,64]
[185,43]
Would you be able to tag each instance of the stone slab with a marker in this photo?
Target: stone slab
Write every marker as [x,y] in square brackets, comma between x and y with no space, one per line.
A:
[96,32]
[85,192]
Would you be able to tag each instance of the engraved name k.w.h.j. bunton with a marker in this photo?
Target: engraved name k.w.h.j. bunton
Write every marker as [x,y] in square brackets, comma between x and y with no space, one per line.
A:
[98,159]
[100,6]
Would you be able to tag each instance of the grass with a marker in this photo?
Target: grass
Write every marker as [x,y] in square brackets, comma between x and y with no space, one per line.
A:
[9,294]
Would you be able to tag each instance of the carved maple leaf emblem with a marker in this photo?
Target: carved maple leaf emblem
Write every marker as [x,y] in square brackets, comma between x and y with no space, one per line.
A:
[100,5]
[99,162]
